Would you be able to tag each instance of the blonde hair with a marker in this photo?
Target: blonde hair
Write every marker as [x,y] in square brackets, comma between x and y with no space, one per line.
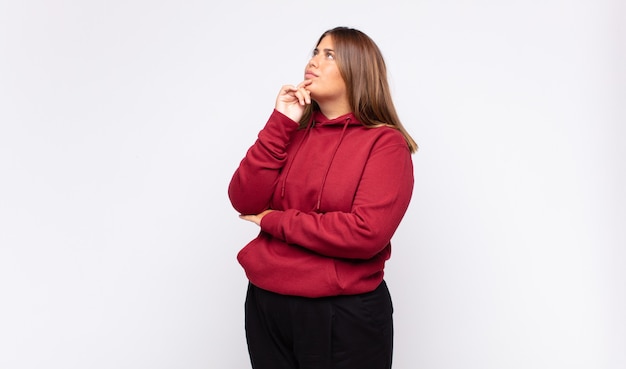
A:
[363,69]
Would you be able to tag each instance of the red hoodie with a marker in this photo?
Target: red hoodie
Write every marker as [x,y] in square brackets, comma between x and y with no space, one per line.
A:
[338,190]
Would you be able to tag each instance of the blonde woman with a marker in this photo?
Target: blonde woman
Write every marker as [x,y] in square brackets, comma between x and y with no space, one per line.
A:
[328,182]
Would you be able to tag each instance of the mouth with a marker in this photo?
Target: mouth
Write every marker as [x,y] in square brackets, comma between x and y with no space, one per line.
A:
[309,75]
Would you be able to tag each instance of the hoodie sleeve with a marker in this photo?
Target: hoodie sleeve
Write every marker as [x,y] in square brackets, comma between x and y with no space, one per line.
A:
[253,183]
[379,205]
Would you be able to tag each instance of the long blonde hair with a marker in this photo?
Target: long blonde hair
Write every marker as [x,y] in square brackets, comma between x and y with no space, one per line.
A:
[363,69]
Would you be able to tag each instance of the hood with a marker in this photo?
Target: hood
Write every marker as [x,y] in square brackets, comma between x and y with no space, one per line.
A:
[347,119]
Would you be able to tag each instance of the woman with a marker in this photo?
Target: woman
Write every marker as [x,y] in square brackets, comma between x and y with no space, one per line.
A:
[328,181]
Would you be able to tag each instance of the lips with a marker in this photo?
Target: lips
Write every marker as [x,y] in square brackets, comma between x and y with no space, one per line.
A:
[308,75]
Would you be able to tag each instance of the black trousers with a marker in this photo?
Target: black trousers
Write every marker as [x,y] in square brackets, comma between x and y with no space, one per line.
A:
[338,332]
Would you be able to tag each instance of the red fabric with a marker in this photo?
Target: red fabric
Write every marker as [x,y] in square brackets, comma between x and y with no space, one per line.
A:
[339,191]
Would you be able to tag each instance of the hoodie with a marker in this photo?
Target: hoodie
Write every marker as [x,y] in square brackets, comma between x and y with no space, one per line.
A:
[338,190]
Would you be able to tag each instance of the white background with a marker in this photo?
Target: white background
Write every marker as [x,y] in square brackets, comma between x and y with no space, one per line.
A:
[121,123]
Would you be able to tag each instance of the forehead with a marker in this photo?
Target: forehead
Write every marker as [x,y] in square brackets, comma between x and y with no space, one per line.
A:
[326,42]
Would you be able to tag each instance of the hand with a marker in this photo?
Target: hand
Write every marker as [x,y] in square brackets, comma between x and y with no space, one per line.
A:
[291,100]
[256,219]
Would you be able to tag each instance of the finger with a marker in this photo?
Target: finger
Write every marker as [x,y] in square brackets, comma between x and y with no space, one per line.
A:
[304,83]
[304,96]
[287,89]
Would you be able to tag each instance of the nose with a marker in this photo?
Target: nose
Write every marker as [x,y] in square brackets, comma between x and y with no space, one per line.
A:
[313,61]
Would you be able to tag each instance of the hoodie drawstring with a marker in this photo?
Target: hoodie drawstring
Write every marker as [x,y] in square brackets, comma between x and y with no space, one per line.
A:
[330,162]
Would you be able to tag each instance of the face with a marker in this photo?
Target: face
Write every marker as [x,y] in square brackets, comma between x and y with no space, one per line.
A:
[327,85]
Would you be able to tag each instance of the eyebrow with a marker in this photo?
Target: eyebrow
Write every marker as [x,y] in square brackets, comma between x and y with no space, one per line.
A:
[325,49]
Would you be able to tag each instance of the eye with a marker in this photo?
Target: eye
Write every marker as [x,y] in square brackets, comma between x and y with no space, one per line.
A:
[330,55]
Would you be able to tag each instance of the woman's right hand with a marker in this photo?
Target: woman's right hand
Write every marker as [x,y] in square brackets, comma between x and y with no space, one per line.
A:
[291,100]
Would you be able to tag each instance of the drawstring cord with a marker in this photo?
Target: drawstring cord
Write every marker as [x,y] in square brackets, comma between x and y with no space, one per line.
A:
[330,162]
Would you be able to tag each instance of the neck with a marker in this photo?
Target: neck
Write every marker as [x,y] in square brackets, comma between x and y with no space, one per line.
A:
[332,110]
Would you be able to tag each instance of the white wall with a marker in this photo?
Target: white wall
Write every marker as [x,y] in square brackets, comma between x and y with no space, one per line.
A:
[121,123]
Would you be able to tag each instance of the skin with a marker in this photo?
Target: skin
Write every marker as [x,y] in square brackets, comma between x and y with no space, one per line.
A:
[323,84]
